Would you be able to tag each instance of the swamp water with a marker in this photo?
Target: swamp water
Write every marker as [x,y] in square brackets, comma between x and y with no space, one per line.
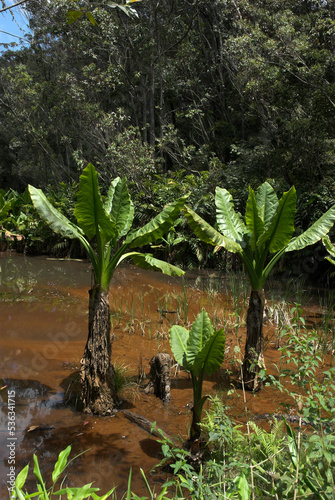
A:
[43,318]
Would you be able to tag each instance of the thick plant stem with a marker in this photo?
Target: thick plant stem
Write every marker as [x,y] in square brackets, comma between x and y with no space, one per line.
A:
[253,357]
[198,403]
[98,393]
[195,430]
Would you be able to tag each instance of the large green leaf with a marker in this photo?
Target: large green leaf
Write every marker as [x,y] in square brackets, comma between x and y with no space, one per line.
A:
[330,249]
[253,221]
[108,203]
[147,261]
[281,228]
[206,233]
[201,330]
[267,203]
[120,207]
[56,220]
[89,211]
[157,227]
[178,341]
[211,356]
[59,223]
[229,222]
[314,233]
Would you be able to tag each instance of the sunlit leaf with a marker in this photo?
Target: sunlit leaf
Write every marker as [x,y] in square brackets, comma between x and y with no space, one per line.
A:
[211,356]
[267,203]
[253,220]
[281,228]
[120,207]
[315,233]
[201,330]
[147,261]
[61,463]
[206,233]
[21,477]
[89,210]
[229,222]
[178,341]
[158,226]
[56,220]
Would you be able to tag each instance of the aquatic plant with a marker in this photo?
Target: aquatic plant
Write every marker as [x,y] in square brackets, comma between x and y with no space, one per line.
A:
[201,351]
[104,231]
[260,240]
[45,493]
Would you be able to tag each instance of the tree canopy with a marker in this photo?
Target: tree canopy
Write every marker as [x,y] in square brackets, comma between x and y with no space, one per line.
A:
[241,91]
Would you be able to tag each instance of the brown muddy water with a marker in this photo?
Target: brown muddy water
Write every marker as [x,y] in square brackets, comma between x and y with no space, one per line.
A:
[43,318]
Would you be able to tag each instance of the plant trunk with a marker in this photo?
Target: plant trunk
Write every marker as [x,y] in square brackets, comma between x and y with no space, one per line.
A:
[160,377]
[98,394]
[195,430]
[198,404]
[253,357]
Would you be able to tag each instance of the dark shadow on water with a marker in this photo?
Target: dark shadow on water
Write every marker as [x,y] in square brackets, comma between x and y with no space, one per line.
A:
[221,377]
[71,387]
[152,448]
[25,389]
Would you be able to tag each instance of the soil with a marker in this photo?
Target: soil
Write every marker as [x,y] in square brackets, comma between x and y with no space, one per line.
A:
[44,315]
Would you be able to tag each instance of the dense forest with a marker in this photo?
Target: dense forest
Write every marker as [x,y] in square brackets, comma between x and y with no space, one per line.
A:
[175,134]
[183,96]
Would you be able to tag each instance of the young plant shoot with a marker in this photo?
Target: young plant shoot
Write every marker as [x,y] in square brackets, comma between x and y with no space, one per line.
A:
[201,352]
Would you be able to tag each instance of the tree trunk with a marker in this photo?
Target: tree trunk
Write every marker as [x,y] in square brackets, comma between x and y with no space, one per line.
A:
[253,357]
[98,393]
[160,377]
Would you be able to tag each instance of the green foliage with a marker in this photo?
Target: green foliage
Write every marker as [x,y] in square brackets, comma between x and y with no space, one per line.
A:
[268,229]
[201,351]
[44,493]
[243,94]
[107,222]
[330,249]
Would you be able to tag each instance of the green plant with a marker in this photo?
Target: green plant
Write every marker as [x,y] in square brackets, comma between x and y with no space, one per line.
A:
[260,240]
[201,351]
[312,454]
[124,383]
[152,494]
[44,493]
[104,231]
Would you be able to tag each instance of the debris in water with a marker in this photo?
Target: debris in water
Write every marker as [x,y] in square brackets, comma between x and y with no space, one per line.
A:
[34,428]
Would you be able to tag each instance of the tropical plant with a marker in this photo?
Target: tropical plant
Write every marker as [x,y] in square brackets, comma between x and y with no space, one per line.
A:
[45,493]
[330,249]
[201,351]
[260,240]
[104,231]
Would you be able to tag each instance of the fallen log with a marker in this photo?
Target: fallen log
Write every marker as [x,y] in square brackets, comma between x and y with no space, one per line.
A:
[145,424]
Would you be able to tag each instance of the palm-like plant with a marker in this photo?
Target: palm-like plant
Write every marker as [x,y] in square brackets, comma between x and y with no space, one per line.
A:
[260,240]
[201,351]
[104,230]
